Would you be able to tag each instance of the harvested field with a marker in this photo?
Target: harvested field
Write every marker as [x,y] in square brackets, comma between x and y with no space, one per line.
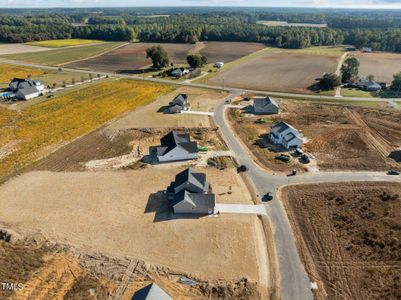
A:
[152,115]
[228,51]
[19,48]
[348,237]
[120,211]
[44,127]
[279,70]
[132,57]
[382,65]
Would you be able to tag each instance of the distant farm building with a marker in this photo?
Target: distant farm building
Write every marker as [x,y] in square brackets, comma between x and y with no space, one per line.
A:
[179,104]
[151,292]
[174,147]
[265,106]
[368,85]
[25,89]
[219,64]
[366,49]
[190,193]
[179,72]
[284,134]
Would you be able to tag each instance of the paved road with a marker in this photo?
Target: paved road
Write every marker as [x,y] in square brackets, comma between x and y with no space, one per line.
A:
[295,283]
[183,83]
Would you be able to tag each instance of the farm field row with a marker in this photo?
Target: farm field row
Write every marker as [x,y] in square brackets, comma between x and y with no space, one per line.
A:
[39,129]
[63,43]
[347,235]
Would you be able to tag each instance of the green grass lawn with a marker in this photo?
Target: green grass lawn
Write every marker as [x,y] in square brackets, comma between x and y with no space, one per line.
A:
[347,92]
[62,43]
[60,56]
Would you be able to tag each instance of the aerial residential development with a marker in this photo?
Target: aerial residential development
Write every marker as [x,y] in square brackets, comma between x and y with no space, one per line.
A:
[219,151]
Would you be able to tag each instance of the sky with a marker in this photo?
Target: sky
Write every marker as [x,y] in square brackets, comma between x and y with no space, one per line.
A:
[382,4]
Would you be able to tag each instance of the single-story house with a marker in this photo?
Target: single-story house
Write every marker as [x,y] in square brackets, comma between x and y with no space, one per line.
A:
[151,292]
[174,147]
[25,89]
[284,134]
[368,85]
[179,72]
[219,64]
[265,106]
[190,193]
[179,104]
[366,49]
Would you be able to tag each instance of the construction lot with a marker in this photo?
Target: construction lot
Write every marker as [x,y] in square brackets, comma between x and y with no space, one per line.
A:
[340,137]
[347,235]
[279,70]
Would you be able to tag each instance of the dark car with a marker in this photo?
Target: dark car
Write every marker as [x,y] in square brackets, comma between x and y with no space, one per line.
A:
[393,172]
[242,168]
[267,197]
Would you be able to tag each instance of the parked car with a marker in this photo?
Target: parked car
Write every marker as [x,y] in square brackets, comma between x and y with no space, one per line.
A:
[242,168]
[305,158]
[268,196]
[393,172]
[298,151]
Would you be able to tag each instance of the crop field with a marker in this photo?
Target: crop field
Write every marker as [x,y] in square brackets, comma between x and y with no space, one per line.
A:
[62,56]
[43,127]
[381,65]
[8,72]
[122,209]
[228,51]
[278,70]
[63,43]
[348,237]
[132,57]
[19,48]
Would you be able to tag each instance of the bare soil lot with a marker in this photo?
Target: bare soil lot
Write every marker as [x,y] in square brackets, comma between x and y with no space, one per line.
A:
[125,213]
[283,71]
[382,65]
[132,57]
[228,51]
[340,137]
[20,48]
[348,237]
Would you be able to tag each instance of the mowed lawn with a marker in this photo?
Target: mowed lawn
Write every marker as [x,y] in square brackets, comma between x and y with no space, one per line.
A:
[43,127]
[60,56]
[8,72]
[63,43]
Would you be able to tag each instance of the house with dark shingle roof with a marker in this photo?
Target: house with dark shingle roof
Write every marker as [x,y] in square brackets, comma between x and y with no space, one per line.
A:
[265,106]
[174,147]
[190,193]
[25,89]
[151,292]
[284,134]
[179,104]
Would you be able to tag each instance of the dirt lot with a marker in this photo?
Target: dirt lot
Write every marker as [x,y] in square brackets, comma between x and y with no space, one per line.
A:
[132,57]
[152,115]
[340,137]
[348,235]
[113,206]
[279,70]
[382,65]
[228,51]
[20,48]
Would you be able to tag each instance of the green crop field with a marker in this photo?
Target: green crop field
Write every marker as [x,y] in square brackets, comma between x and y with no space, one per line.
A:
[62,43]
[61,56]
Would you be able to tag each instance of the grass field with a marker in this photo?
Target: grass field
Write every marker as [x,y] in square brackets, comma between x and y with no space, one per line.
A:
[47,125]
[346,92]
[8,72]
[60,56]
[63,43]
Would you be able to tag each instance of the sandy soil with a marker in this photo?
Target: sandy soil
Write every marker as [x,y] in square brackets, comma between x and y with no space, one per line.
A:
[130,58]
[114,212]
[152,116]
[228,51]
[20,48]
[382,65]
[348,237]
[278,71]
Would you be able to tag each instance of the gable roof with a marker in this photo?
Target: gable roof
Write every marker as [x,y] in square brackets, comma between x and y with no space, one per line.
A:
[197,180]
[180,99]
[174,139]
[283,126]
[263,102]
[151,292]
[25,84]
[198,200]
[28,90]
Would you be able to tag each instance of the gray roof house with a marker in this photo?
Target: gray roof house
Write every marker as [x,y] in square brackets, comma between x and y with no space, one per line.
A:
[179,104]
[151,292]
[367,85]
[190,193]
[174,147]
[284,134]
[265,106]
[26,88]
